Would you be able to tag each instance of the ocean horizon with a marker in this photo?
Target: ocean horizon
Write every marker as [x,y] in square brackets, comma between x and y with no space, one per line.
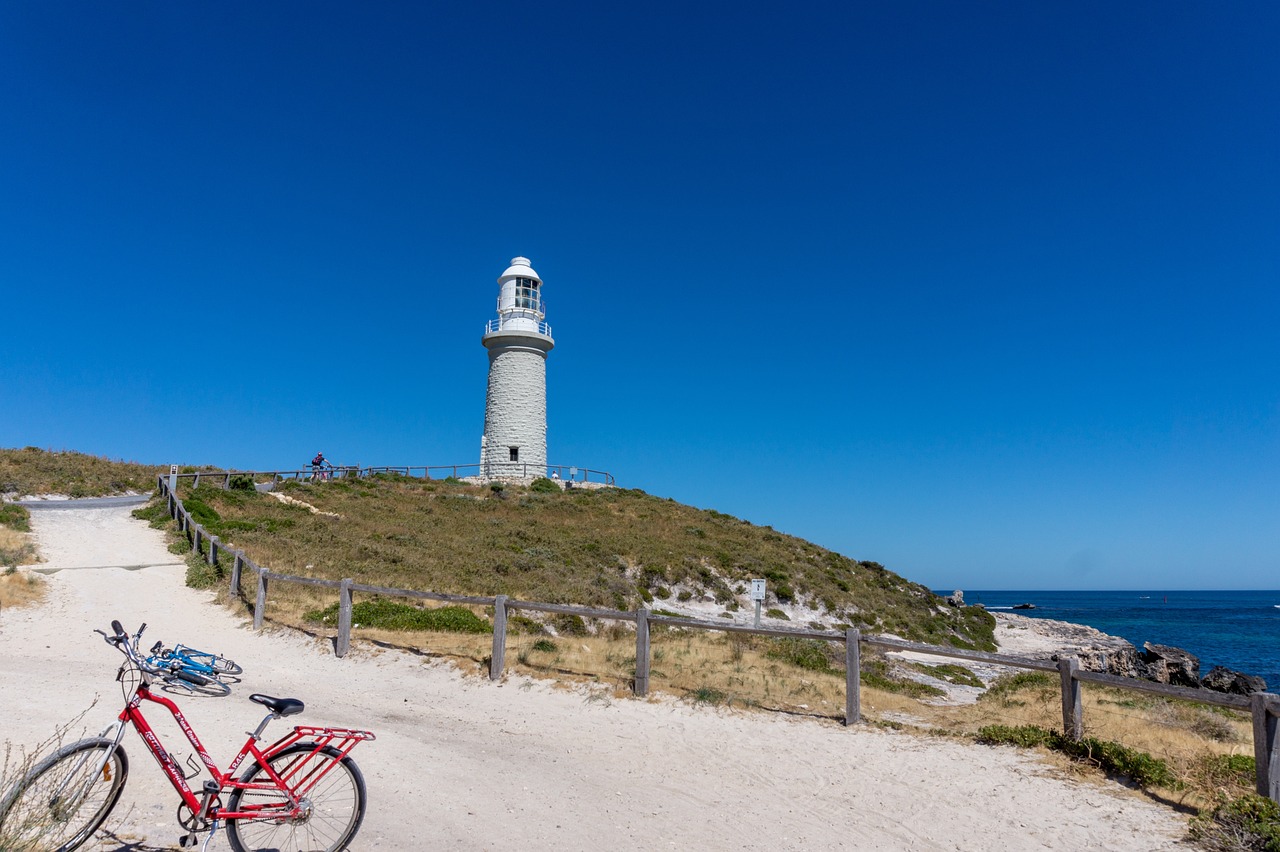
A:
[1237,629]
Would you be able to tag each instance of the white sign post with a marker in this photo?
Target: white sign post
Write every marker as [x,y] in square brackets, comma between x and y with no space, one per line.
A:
[757,595]
[173,479]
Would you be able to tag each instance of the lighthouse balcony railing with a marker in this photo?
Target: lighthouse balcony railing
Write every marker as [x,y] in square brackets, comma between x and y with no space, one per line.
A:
[517,324]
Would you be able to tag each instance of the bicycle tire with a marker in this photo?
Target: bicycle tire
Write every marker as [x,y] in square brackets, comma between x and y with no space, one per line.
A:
[337,805]
[198,684]
[36,813]
[210,664]
[223,666]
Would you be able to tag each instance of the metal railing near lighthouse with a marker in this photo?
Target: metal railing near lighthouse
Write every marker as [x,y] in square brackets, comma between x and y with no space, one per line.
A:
[505,324]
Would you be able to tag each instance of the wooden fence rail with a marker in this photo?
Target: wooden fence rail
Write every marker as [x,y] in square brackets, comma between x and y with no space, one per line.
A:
[1264,707]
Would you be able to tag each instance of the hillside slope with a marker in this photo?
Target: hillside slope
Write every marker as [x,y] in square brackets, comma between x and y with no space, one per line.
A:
[608,547]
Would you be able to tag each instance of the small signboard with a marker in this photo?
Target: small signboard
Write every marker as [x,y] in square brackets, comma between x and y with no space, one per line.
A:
[173,477]
[757,590]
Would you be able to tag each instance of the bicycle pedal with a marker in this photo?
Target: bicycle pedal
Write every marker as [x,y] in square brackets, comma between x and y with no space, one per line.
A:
[188,841]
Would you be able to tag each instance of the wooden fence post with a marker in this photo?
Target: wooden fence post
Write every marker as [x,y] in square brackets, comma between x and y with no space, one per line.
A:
[1072,708]
[195,537]
[1266,743]
[260,602]
[196,484]
[236,567]
[213,549]
[498,657]
[344,617]
[852,679]
[642,652]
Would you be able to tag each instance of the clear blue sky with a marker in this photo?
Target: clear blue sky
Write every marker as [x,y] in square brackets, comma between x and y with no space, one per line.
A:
[986,292]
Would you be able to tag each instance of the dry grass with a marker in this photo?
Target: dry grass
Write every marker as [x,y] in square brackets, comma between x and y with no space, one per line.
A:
[16,548]
[21,588]
[31,471]
[605,548]
[735,671]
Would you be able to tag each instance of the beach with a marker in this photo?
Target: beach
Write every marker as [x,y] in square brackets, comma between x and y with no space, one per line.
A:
[462,762]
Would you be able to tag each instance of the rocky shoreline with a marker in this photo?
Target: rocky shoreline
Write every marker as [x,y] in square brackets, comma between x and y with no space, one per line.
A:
[1047,639]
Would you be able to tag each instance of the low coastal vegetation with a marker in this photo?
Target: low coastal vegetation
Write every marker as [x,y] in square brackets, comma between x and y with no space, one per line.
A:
[612,548]
[31,471]
[616,548]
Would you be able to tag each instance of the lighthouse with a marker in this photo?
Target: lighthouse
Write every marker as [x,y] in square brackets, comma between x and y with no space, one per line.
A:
[514,444]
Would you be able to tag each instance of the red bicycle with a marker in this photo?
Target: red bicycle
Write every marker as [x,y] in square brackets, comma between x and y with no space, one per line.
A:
[301,793]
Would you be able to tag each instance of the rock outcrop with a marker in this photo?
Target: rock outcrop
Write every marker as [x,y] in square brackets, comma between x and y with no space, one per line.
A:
[1174,666]
[1223,679]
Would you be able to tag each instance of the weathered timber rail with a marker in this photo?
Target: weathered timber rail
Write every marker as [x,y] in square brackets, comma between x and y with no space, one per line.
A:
[1264,707]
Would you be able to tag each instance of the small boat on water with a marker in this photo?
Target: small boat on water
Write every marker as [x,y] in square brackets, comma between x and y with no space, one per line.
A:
[1024,606]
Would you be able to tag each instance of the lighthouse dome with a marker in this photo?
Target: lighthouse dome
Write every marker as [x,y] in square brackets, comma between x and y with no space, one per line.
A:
[519,268]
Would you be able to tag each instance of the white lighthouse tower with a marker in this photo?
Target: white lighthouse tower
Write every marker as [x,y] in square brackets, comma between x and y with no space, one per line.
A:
[514,444]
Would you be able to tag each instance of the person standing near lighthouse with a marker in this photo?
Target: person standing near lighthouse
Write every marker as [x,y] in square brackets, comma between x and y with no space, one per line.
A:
[514,443]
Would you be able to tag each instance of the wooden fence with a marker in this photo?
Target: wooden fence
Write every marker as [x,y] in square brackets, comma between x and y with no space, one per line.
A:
[1263,706]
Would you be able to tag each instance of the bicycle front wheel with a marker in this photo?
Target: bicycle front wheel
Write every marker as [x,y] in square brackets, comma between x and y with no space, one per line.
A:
[60,803]
[331,789]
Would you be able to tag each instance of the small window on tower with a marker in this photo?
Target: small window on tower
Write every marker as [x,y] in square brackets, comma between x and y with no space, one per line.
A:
[515,453]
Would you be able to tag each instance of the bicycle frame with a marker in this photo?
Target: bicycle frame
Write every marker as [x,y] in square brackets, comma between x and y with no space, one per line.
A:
[294,785]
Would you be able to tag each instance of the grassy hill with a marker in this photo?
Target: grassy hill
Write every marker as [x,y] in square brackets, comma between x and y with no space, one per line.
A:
[30,471]
[608,547]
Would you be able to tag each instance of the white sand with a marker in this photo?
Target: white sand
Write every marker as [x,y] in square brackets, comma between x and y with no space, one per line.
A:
[468,764]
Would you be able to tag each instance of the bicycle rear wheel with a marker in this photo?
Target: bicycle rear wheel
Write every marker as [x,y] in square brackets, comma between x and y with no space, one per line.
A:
[60,803]
[333,807]
[223,666]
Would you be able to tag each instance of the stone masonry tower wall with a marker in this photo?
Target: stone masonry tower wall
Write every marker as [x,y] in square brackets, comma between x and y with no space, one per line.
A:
[514,444]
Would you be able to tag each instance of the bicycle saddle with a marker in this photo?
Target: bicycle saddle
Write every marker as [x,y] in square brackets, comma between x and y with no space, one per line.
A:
[279,706]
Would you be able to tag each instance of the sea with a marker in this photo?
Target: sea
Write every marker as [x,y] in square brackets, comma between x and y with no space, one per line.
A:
[1236,629]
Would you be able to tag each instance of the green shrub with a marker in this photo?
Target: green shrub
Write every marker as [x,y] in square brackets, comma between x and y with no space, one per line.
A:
[951,673]
[545,645]
[707,695]
[241,482]
[155,513]
[201,512]
[777,613]
[811,654]
[1250,822]
[542,485]
[567,624]
[1024,736]
[202,575]
[1111,757]
[392,615]
[1004,688]
[15,517]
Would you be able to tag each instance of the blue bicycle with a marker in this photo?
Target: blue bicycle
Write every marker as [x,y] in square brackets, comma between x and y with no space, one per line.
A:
[192,670]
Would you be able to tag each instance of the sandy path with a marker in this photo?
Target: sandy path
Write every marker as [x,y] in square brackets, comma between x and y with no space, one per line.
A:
[468,764]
